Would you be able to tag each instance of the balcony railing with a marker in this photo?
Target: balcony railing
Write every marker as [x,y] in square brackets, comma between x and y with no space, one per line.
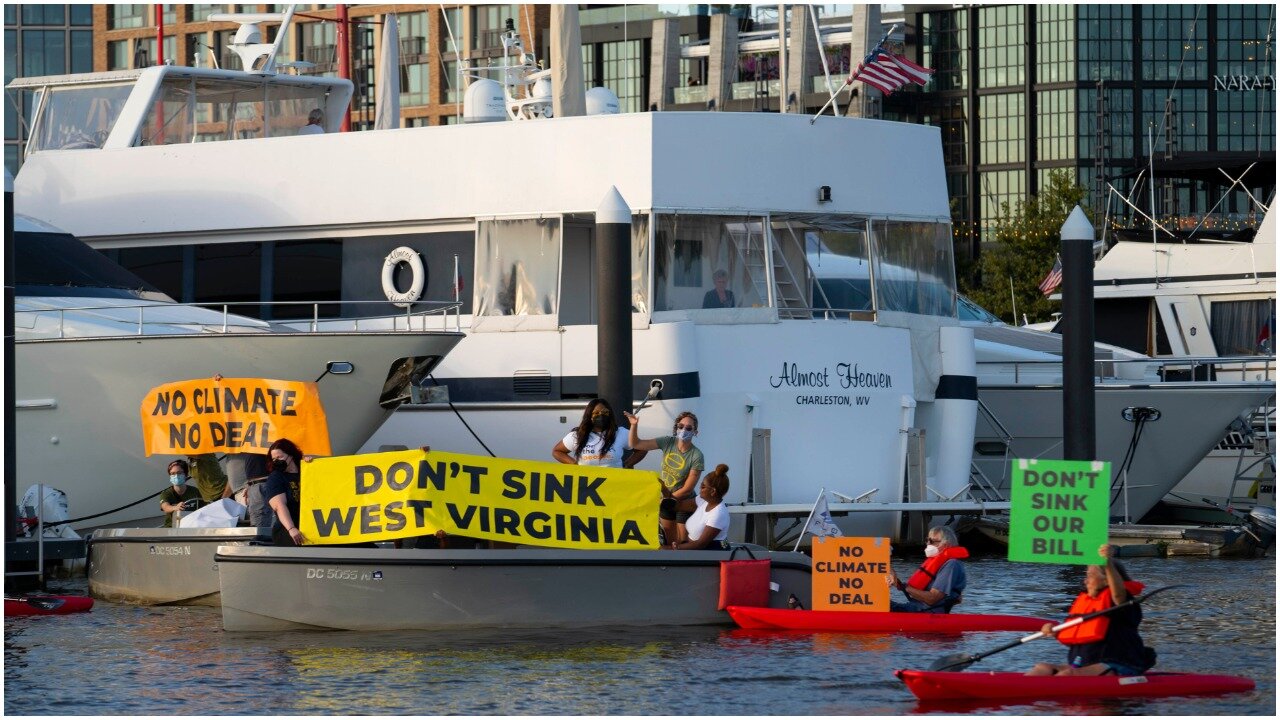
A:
[754,88]
[692,94]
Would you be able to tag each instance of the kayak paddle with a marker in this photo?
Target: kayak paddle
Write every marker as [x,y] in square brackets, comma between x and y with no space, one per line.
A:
[960,661]
[39,602]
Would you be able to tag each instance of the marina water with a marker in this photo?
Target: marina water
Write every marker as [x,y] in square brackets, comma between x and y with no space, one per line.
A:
[121,659]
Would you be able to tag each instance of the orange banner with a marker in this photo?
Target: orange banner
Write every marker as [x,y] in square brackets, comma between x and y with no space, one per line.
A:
[191,417]
[849,574]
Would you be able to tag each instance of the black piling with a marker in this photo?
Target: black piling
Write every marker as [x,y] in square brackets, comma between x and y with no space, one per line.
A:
[1079,434]
[10,373]
[613,283]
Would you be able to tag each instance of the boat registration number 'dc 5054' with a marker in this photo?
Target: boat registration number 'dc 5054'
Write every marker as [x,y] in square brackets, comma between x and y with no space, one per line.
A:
[169,550]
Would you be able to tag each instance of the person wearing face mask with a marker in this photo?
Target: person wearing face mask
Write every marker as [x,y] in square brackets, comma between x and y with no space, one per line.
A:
[178,492]
[682,464]
[937,586]
[596,441]
[283,492]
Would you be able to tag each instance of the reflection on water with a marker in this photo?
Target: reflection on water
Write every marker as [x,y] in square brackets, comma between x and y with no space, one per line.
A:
[172,660]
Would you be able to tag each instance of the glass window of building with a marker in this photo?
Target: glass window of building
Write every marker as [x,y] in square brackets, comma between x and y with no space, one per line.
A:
[81,14]
[10,61]
[44,52]
[319,42]
[1175,42]
[118,54]
[81,51]
[201,13]
[1245,40]
[450,78]
[1055,43]
[945,43]
[33,14]
[1181,114]
[488,23]
[121,17]
[588,66]
[414,60]
[1117,114]
[1246,120]
[1001,45]
[1056,125]
[1001,190]
[1003,129]
[148,46]
[622,71]
[1105,43]
[951,116]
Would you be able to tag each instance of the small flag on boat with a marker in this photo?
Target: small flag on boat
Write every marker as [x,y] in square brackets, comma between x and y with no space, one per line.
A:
[888,72]
[1053,279]
[820,522]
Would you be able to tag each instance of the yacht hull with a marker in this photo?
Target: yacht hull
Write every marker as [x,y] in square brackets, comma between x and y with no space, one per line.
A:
[1193,417]
[160,566]
[78,401]
[271,588]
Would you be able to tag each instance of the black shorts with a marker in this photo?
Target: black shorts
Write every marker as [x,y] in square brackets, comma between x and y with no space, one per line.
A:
[667,511]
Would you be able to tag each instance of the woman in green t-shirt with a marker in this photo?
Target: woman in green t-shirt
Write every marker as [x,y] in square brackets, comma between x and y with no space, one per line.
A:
[682,464]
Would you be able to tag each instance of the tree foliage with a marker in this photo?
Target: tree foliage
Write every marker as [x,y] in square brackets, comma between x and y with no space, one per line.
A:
[1023,245]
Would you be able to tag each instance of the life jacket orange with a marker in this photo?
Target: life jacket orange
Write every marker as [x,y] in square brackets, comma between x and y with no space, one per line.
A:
[929,570]
[1091,631]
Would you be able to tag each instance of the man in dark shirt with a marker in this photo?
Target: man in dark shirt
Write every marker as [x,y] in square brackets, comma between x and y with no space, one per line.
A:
[178,492]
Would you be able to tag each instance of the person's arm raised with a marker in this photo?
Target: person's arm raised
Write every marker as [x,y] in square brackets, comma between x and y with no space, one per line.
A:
[633,435]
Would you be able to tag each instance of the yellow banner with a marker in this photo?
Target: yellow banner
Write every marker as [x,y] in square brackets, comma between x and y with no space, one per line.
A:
[233,415]
[384,496]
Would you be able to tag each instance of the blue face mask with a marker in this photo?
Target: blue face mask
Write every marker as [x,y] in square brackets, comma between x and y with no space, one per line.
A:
[684,435]
[177,479]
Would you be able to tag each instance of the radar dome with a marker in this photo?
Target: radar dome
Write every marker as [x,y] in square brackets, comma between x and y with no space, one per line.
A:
[601,101]
[484,102]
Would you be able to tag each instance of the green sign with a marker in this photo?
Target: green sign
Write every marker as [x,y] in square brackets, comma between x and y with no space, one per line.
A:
[1059,511]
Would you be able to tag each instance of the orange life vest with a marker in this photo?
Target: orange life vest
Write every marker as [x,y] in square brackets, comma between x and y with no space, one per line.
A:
[1091,631]
[929,570]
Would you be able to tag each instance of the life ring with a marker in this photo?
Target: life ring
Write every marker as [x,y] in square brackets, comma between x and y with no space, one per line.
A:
[397,256]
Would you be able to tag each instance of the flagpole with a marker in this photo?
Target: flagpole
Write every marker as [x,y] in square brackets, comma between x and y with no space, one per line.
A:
[855,74]
[821,494]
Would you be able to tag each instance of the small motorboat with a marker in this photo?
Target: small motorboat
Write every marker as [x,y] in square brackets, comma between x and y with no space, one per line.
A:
[762,618]
[1001,686]
[46,605]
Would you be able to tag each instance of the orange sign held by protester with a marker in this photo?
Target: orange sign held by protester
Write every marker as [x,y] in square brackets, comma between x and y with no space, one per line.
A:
[191,417]
[849,574]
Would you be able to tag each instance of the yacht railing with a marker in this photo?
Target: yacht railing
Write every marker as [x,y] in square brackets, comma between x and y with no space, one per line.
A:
[417,317]
[1246,368]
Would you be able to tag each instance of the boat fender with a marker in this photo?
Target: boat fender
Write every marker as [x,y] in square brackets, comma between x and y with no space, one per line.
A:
[397,256]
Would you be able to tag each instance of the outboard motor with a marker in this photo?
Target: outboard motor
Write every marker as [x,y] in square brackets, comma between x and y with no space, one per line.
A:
[1262,521]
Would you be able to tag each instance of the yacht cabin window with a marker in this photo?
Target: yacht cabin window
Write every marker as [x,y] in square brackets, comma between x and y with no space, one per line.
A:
[196,109]
[517,267]
[828,258]
[694,252]
[914,268]
[78,118]
[1243,327]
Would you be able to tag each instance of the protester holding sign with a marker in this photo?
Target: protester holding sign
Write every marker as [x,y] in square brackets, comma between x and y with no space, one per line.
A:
[682,463]
[937,586]
[708,527]
[283,492]
[1109,644]
[178,492]
[596,441]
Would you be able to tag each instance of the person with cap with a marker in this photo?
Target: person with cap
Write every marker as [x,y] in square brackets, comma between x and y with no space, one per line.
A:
[315,123]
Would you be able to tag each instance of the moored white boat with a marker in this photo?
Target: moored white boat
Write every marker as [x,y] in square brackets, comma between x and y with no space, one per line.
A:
[161,566]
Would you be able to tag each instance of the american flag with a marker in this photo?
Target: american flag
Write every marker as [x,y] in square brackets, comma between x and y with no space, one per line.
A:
[1053,279]
[887,72]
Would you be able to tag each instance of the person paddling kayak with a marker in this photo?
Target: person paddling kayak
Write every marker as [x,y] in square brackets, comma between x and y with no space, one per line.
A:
[939,582]
[1109,644]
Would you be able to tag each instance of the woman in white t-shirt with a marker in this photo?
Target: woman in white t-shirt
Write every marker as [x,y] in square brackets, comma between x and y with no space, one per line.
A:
[596,441]
[708,527]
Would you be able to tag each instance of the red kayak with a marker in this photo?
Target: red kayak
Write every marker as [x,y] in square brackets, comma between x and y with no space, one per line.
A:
[760,618]
[997,686]
[46,605]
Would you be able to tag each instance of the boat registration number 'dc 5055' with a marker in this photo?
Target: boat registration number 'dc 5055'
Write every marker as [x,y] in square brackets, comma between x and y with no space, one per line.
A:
[322,573]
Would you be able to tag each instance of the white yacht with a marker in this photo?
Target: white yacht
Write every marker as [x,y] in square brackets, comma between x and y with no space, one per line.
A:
[873,398]
[1206,308]
[92,338]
